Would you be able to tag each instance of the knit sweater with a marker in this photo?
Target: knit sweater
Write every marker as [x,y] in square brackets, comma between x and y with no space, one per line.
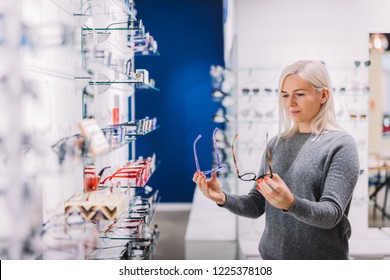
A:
[321,176]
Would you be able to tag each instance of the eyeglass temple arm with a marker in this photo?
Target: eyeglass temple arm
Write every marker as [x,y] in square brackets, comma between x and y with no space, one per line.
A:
[268,155]
[216,148]
[195,154]
[234,156]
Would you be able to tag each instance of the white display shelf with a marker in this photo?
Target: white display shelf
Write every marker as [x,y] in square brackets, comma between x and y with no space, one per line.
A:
[375,245]
[211,231]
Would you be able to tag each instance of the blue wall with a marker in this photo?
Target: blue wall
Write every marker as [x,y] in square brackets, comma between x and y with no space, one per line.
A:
[190,39]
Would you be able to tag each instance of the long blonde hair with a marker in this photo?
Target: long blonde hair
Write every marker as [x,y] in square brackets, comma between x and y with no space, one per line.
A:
[316,74]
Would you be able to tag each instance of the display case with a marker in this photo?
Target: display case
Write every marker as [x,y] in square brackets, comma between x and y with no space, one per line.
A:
[69,84]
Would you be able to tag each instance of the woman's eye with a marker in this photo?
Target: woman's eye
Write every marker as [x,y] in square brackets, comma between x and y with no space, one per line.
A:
[284,96]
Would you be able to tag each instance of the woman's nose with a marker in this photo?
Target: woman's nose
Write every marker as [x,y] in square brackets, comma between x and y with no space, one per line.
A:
[291,101]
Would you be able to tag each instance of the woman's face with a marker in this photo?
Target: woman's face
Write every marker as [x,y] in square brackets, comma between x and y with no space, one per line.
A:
[301,101]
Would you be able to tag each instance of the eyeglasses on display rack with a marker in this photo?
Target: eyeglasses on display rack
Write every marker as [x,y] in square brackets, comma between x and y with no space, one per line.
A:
[219,166]
[366,63]
[251,176]
[256,91]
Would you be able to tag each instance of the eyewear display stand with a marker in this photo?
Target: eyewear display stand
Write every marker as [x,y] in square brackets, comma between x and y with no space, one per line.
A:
[109,50]
[67,86]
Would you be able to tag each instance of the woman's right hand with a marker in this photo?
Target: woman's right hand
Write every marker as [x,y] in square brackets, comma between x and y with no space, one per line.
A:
[210,188]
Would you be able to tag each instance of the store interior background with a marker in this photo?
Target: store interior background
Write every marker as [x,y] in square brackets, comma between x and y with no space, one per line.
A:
[254,40]
[263,37]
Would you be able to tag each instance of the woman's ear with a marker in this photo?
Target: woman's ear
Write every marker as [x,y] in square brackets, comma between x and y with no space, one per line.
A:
[325,95]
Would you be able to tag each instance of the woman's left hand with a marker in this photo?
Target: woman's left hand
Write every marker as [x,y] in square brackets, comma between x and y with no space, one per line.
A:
[276,192]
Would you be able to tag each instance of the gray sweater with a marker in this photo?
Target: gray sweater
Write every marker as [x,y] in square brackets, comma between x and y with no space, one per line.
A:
[322,176]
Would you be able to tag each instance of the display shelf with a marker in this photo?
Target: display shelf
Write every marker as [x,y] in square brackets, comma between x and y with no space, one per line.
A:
[103,33]
[93,65]
[129,25]
[125,6]
[147,53]
[140,85]
[139,231]
[62,235]
[115,146]
[143,133]
[133,186]
[62,147]
[132,249]
[135,38]
[136,127]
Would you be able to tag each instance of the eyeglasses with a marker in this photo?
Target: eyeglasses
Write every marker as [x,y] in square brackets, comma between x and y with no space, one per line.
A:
[219,166]
[251,176]
[357,63]
[256,91]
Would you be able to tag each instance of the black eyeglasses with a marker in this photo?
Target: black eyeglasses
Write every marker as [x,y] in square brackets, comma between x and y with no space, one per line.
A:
[251,176]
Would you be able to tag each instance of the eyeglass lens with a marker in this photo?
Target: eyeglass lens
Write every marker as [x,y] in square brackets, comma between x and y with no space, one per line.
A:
[251,176]
[219,166]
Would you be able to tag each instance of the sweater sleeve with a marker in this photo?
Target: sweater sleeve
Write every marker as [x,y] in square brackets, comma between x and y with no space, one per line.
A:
[342,171]
[251,205]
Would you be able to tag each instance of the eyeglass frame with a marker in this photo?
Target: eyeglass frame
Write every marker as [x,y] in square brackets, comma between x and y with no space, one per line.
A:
[255,177]
[219,166]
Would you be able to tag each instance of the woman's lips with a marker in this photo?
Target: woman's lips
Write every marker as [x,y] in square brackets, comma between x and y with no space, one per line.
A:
[294,112]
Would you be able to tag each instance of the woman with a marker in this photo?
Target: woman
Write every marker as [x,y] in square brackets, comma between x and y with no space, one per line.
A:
[315,168]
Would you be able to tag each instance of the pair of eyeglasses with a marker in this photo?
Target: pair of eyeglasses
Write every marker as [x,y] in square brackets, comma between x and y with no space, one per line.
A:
[246,91]
[251,176]
[219,166]
[357,63]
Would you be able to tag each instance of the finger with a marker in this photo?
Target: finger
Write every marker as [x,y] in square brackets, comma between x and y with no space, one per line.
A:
[202,181]
[259,189]
[195,176]
[263,188]
[276,178]
[263,193]
[271,183]
[214,176]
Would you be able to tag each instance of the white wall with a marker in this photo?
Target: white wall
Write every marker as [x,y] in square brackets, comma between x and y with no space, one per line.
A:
[273,32]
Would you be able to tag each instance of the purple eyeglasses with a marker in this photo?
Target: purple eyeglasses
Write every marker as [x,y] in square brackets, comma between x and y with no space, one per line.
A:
[219,166]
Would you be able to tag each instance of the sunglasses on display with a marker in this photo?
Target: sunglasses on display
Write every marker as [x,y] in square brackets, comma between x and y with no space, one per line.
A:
[219,166]
[251,176]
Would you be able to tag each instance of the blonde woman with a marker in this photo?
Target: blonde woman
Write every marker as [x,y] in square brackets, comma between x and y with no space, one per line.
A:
[307,194]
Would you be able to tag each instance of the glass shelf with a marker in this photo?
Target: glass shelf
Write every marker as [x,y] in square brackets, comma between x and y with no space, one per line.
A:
[143,133]
[130,234]
[62,147]
[114,146]
[151,174]
[134,124]
[125,6]
[147,54]
[93,65]
[139,85]
[97,29]
[105,32]
[138,41]
[136,187]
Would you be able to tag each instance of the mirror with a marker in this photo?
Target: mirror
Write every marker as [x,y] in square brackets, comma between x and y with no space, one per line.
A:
[379,131]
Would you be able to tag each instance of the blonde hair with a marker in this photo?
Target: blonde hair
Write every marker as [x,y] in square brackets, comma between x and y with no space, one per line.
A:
[315,73]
